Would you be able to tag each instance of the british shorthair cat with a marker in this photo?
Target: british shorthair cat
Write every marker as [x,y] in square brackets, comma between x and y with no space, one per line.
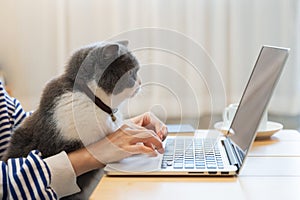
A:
[80,106]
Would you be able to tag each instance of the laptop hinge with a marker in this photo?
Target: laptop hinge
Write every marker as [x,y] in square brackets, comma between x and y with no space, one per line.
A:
[231,153]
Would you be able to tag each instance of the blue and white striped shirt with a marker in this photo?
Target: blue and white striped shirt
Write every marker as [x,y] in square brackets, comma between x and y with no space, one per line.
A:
[20,178]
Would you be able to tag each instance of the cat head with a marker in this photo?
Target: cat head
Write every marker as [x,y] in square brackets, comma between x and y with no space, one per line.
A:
[108,65]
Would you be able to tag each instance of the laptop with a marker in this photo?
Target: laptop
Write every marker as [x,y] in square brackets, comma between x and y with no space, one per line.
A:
[213,153]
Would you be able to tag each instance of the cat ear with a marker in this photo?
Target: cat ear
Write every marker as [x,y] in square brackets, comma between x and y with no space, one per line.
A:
[110,50]
[123,42]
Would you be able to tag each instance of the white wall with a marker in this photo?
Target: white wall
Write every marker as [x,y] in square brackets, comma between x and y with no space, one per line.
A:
[28,50]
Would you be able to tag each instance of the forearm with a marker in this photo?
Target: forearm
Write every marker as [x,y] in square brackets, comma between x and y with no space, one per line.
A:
[65,169]
[83,161]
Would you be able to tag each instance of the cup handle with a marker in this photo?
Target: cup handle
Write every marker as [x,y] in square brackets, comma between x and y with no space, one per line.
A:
[225,115]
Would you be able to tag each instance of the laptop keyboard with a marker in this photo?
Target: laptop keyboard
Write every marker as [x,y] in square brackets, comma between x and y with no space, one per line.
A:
[191,153]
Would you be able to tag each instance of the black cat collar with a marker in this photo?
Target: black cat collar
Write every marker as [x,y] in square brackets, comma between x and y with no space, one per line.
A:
[83,86]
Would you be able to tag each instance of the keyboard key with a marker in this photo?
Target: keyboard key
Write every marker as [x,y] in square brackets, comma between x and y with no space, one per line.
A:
[169,163]
[178,165]
[164,165]
[189,166]
[192,153]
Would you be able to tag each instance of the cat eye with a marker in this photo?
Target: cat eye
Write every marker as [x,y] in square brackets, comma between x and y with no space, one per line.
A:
[130,72]
[133,72]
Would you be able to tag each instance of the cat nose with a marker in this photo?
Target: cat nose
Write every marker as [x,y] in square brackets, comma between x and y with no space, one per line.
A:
[139,81]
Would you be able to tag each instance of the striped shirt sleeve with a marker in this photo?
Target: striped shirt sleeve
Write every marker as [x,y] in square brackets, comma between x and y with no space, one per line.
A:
[26,178]
[20,178]
[11,115]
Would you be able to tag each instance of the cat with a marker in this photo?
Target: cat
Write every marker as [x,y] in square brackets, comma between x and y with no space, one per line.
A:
[67,117]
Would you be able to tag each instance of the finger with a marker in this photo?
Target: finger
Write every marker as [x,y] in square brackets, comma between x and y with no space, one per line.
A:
[150,122]
[158,125]
[132,129]
[139,120]
[160,150]
[150,145]
[153,154]
[147,118]
[152,141]
[141,133]
[163,133]
[151,127]
[139,149]
[128,124]
[159,128]
[143,136]
[157,143]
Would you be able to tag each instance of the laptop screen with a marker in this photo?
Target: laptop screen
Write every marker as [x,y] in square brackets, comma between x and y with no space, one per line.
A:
[257,94]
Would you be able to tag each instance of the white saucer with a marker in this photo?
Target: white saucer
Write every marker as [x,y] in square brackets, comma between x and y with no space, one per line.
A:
[272,127]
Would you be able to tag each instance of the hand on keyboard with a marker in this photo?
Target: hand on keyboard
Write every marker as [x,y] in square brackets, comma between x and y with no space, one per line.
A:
[149,121]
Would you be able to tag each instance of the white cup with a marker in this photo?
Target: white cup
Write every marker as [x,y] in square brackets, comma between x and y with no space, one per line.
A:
[229,112]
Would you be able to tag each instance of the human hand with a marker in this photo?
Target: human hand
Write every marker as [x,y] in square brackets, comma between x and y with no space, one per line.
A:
[128,140]
[149,121]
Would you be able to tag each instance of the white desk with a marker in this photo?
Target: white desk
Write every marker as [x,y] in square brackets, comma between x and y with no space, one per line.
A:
[263,177]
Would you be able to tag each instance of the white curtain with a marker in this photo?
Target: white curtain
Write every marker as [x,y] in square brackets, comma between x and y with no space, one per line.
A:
[196,55]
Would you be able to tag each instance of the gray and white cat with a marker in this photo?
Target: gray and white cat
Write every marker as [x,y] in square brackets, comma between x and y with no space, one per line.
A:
[67,118]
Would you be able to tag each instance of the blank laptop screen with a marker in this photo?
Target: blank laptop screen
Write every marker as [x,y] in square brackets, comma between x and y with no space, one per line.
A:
[257,94]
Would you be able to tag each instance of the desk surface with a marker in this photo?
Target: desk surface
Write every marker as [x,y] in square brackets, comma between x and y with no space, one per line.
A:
[272,171]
